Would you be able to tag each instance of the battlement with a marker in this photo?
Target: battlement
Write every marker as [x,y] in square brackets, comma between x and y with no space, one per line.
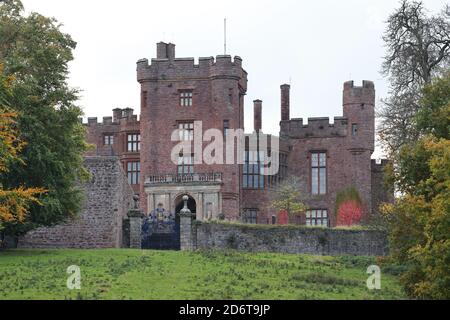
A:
[171,68]
[364,94]
[120,116]
[316,128]
[365,84]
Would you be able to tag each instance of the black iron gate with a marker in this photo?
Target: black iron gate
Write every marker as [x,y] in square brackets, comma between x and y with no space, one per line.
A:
[161,231]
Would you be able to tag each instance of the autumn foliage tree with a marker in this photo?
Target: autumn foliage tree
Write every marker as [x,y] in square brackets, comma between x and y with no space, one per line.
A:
[287,198]
[14,203]
[36,53]
[419,220]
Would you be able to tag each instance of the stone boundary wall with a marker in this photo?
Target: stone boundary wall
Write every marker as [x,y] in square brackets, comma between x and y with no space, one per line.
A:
[291,239]
[108,197]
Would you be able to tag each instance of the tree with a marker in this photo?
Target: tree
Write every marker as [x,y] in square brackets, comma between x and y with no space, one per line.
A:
[36,54]
[434,115]
[418,49]
[14,203]
[419,220]
[287,197]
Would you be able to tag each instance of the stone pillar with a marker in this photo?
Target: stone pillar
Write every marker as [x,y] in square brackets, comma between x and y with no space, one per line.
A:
[135,215]
[187,232]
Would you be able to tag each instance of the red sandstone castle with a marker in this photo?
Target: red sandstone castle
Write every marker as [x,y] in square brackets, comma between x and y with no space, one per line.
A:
[176,92]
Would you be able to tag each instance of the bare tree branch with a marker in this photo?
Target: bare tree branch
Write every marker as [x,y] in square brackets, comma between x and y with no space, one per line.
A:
[417,49]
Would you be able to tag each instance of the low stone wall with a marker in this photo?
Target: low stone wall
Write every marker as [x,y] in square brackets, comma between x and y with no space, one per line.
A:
[108,197]
[291,239]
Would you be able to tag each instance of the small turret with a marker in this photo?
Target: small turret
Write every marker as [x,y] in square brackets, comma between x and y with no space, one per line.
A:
[359,109]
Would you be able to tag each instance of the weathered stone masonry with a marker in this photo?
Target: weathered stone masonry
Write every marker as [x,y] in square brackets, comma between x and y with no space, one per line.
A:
[291,239]
[108,198]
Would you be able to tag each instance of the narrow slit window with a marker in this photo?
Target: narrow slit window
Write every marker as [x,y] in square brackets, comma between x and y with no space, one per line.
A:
[354,129]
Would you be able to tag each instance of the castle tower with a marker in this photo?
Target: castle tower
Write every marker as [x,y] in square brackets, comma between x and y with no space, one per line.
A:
[176,94]
[359,109]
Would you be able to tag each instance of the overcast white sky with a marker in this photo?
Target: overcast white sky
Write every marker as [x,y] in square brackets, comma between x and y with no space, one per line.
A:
[313,45]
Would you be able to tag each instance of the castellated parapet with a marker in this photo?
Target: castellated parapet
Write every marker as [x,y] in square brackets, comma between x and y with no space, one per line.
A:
[316,127]
[120,116]
[357,122]
[222,67]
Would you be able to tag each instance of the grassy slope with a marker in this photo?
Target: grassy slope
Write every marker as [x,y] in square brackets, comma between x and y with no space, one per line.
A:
[136,274]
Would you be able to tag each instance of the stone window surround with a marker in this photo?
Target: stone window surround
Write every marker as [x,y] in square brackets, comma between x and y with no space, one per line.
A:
[312,216]
[133,143]
[133,172]
[185,97]
[311,152]
[108,139]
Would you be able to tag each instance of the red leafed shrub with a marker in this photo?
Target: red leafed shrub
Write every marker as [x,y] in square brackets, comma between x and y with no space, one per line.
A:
[283,217]
[349,213]
[349,208]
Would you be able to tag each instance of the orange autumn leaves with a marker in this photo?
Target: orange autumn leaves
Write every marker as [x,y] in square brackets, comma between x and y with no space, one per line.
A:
[14,203]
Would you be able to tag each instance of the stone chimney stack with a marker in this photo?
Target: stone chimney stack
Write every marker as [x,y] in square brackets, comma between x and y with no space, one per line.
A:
[285,89]
[117,114]
[165,50]
[161,50]
[170,51]
[257,115]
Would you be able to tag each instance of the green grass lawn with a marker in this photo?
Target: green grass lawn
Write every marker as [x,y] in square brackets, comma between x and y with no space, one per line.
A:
[144,274]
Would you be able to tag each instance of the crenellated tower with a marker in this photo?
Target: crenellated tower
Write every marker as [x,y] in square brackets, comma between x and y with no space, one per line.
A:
[359,109]
[176,93]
